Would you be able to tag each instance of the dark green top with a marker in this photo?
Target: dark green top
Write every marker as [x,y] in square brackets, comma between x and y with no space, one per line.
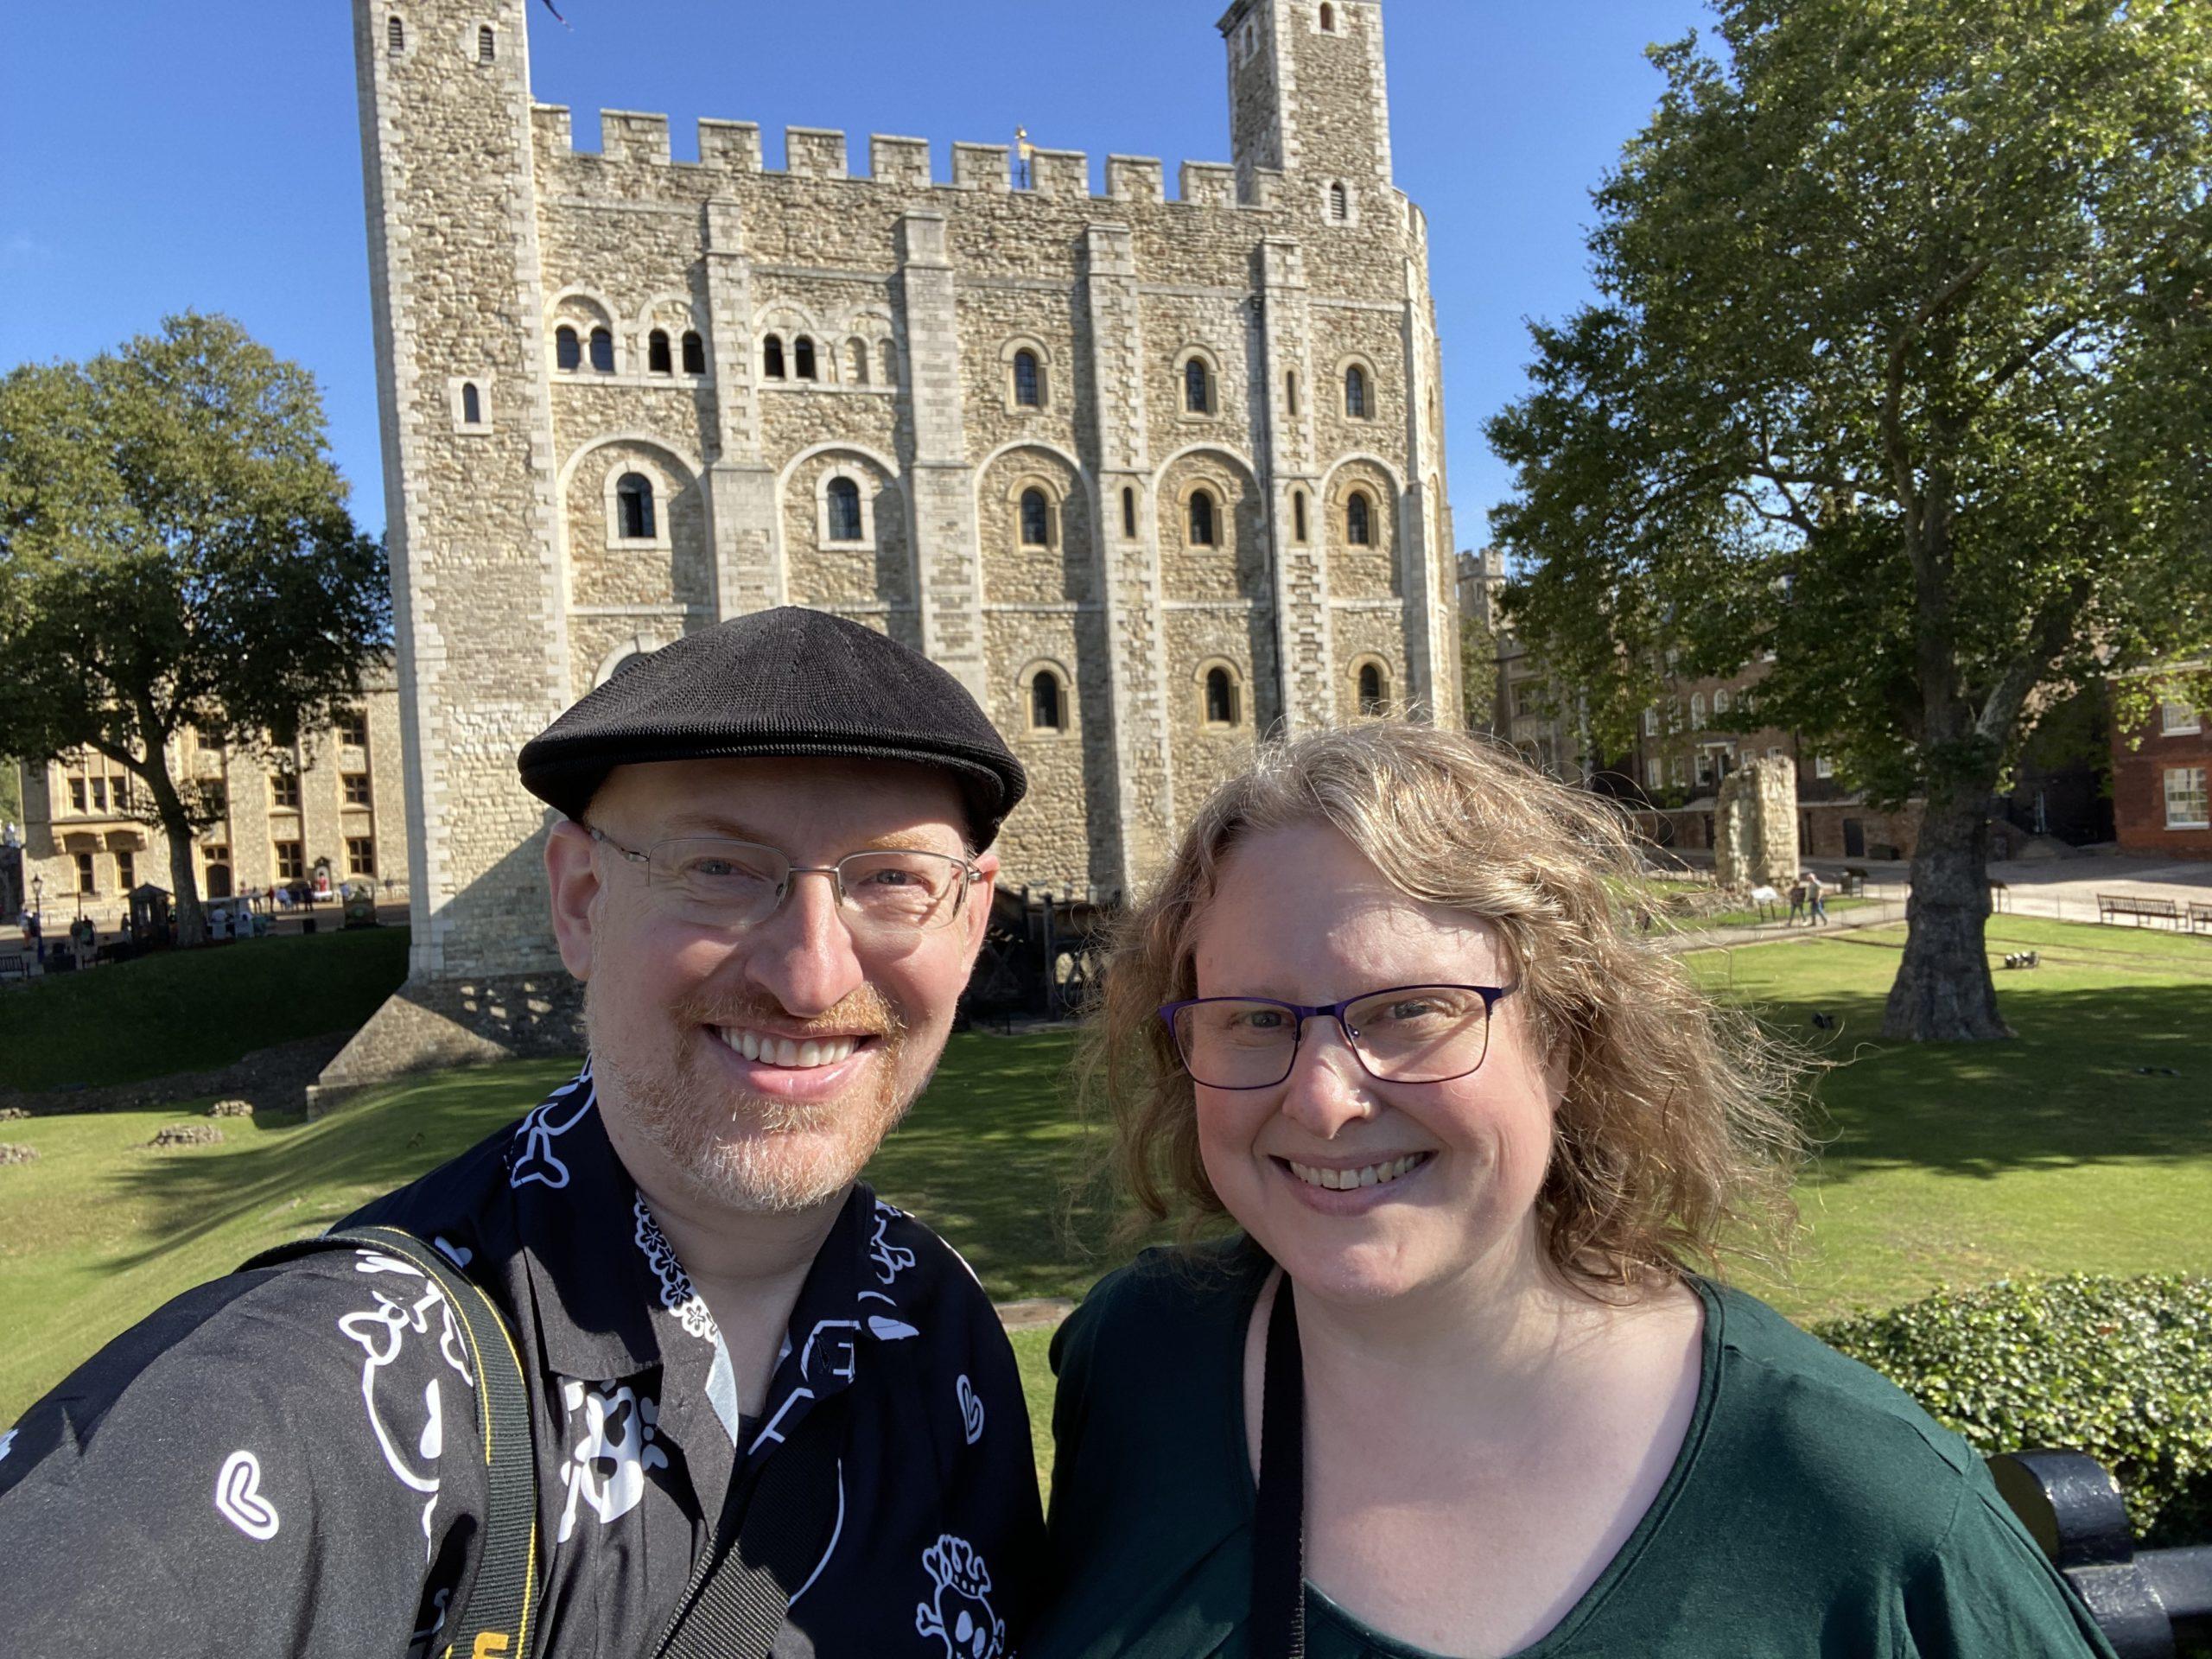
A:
[1814,1509]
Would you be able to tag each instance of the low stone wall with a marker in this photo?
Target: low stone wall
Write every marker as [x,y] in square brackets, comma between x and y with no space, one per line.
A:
[439,1026]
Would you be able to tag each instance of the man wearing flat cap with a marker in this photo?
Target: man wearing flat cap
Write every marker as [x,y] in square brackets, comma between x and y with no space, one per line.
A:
[767,1412]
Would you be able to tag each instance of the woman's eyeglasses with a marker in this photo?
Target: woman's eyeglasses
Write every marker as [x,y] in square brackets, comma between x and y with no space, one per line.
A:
[1410,1034]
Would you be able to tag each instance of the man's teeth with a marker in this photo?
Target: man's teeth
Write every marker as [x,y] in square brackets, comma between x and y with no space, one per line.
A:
[1342,1180]
[782,1051]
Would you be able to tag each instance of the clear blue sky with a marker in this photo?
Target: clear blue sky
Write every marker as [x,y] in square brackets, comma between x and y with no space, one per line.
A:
[155,155]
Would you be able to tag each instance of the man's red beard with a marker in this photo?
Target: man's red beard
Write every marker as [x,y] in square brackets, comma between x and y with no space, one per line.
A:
[752,1152]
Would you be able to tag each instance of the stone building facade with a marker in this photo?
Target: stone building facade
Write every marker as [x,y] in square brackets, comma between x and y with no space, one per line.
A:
[1151,476]
[335,799]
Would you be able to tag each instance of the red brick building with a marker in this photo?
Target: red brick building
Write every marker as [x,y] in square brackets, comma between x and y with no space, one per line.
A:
[2158,776]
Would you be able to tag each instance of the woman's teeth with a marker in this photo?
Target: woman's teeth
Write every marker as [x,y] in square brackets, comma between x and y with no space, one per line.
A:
[782,1051]
[1342,1180]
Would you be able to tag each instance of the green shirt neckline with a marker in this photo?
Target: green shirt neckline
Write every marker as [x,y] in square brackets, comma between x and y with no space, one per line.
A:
[1624,1560]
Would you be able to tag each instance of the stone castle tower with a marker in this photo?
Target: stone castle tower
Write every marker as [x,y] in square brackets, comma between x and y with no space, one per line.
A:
[1152,477]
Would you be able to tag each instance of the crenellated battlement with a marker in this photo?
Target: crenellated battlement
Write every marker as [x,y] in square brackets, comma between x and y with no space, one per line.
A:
[639,139]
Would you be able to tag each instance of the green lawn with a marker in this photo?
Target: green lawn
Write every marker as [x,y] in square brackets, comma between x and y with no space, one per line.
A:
[192,1011]
[1952,1165]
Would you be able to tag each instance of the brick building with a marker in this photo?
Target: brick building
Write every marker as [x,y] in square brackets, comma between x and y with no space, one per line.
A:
[1151,476]
[2158,783]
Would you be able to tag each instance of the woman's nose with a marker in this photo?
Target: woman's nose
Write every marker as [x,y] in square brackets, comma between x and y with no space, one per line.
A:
[1327,1087]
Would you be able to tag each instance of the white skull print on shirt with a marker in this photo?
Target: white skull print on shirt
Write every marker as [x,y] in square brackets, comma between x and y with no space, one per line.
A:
[960,1614]
[618,1441]
[410,1433]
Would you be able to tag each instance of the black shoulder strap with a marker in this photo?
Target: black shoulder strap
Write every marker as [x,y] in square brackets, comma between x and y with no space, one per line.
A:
[1278,1619]
[498,1617]
[741,1590]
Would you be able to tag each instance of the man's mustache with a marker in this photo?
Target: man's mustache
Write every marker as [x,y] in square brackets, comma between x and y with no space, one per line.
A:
[867,1012]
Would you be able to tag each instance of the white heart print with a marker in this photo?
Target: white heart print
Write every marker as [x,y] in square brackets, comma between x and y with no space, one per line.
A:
[239,1499]
[971,1411]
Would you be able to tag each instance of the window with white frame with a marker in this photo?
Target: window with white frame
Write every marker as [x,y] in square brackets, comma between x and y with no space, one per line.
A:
[1697,711]
[1651,722]
[2178,719]
[2186,806]
[843,500]
[1655,773]
[1823,766]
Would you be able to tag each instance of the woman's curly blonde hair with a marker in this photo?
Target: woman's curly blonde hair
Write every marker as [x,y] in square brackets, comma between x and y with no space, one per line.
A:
[1677,1134]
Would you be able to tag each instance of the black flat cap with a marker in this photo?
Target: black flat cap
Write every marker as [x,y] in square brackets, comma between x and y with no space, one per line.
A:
[789,681]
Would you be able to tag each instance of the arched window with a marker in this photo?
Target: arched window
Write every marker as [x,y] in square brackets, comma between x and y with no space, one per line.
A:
[472,405]
[1340,204]
[657,356]
[1197,387]
[1129,512]
[856,361]
[1290,393]
[1328,18]
[802,358]
[602,351]
[395,34]
[487,45]
[772,358]
[1720,701]
[888,357]
[845,509]
[1047,709]
[1356,392]
[633,501]
[1205,530]
[1697,712]
[695,352]
[1359,520]
[1221,698]
[1028,381]
[1036,519]
[1372,698]
[567,353]
[1298,515]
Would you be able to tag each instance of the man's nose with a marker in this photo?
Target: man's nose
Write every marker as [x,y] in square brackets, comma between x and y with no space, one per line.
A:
[1327,1087]
[803,955]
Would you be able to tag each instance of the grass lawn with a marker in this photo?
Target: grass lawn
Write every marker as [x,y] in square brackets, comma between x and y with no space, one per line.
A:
[1952,1165]
[192,1011]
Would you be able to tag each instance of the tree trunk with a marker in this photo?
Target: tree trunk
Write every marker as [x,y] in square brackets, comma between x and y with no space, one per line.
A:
[1943,991]
[184,886]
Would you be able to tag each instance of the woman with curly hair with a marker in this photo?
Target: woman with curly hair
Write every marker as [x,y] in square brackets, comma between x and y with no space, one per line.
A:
[1461,1381]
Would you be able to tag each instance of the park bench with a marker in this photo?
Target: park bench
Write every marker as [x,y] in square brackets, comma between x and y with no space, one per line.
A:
[2111,906]
[2147,1601]
[2199,916]
[13,965]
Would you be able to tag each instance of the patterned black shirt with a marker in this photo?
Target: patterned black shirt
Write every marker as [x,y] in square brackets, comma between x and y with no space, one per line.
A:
[287,1462]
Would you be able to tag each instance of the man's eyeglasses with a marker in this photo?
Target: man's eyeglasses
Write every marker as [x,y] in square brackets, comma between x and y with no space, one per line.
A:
[712,882]
[1410,1034]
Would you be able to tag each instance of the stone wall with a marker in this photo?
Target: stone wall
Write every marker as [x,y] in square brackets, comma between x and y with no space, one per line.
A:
[1755,842]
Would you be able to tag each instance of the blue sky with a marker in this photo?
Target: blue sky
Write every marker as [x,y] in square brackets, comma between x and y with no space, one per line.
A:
[155,155]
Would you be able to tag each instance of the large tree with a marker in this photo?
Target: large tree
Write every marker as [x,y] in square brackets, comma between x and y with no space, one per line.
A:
[176,555]
[1899,373]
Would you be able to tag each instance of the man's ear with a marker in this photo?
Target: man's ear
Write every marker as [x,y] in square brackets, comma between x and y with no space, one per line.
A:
[573,874]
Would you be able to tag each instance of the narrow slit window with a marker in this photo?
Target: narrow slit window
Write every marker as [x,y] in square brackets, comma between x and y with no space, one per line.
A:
[487,45]
[656,354]
[845,509]
[1028,383]
[602,351]
[890,364]
[695,352]
[1297,514]
[633,499]
[1370,689]
[1036,519]
[1221,698]
[1328,18]
[1290,394]
[567,353]
[1359,520]
[772,358]
[1046,710]
[1356,392]
[1340,204]
[472,405]
[802,358]
[395,35]
[1205,530]
[1197,387]
[1129,511]
[856,361]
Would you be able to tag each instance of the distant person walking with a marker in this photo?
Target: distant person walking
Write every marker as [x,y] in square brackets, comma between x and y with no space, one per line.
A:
[1796,901]
[1817,895]
[36,935]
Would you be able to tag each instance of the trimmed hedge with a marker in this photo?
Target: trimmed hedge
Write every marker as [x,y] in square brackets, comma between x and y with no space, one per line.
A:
[2120,1369]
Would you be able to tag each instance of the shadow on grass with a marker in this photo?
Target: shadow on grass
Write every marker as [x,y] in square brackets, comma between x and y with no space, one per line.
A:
[366,1150]
[2070,1090]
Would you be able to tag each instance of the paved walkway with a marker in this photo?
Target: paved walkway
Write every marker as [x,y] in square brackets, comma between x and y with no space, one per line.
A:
[2066,889]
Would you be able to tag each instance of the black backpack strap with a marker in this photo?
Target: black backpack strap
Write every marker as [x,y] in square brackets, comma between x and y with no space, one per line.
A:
[1278,1616]
[498,1617]
[741,1593]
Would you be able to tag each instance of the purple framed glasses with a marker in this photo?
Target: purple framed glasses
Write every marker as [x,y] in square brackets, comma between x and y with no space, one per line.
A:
[1407,1033]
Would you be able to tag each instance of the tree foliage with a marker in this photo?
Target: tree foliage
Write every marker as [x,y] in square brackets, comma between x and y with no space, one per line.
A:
[1901,372]
[175,554]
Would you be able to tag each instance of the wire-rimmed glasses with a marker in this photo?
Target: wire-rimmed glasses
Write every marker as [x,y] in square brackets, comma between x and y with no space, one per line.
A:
[712,881]
[1407,1033]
